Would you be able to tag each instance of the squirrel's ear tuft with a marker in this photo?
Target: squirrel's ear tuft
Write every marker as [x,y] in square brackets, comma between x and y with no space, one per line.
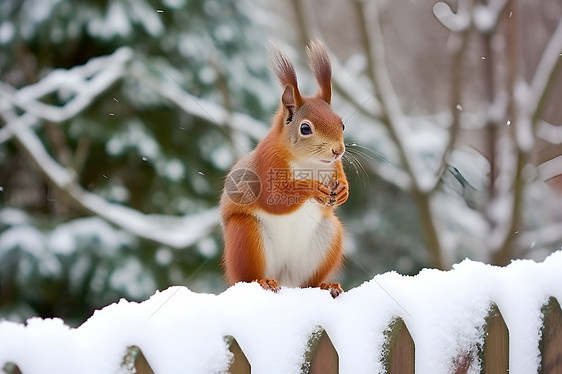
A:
[322,68]
[283,68]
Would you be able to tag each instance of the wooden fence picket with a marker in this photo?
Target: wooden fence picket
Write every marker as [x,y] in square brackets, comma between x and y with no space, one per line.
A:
[325,359]
[135,362]
[551,338]
[494,353]
[11,368]
[399,348]
[462,363]
[240,363]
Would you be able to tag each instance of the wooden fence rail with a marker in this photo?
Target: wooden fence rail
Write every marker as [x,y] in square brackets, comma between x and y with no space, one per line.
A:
[399,349]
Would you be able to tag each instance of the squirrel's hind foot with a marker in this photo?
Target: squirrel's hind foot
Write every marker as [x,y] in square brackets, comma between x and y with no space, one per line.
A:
[334,288]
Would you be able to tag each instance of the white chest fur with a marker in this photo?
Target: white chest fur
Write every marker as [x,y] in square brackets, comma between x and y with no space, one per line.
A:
[295,244]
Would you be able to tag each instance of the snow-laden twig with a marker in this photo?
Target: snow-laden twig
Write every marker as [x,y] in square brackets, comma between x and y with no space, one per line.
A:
[353,92]
[391,113]
[524,137]
[550,62]
[198,107]
[486,16]
[86,82]
[455,22]
[550,169]
[177,232]
[457,66]
[513,148]
[548,132]
[423,181]
[531,98]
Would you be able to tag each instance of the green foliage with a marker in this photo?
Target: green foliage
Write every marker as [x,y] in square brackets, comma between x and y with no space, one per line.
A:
[130,146]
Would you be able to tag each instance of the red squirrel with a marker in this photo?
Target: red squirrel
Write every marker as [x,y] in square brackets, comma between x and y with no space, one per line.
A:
[277,207]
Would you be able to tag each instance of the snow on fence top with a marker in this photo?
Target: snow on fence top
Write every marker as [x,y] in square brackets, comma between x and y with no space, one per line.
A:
[451,317]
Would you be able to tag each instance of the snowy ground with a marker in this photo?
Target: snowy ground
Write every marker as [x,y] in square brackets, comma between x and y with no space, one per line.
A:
[181,331]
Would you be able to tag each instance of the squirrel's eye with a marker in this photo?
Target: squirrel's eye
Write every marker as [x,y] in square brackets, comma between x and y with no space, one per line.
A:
[306,129]
[342,127]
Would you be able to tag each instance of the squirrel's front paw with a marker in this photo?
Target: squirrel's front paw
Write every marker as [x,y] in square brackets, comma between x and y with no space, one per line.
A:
[268,284]
[333,195]
[325,197]
[339,192]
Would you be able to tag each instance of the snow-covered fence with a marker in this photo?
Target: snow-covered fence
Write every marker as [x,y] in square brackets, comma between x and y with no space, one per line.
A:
[474,318]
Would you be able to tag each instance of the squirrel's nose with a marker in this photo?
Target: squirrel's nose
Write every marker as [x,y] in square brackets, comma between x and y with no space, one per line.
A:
[337,152]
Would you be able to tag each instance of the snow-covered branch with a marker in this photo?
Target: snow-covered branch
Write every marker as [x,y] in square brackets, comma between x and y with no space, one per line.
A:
[460,39]
[550,62]
[391,113]
[531,98]
[346,84]
[177,232]
[455,22]
[484,17]
[423,181]
[548,132]
[87,82]
[198,107]
[82,83]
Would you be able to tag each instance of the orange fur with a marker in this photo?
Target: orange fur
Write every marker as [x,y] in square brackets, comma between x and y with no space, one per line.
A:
[244,250]
[284,147]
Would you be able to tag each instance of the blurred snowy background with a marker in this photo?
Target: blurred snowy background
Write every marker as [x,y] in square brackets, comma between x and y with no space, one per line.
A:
[120,118]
